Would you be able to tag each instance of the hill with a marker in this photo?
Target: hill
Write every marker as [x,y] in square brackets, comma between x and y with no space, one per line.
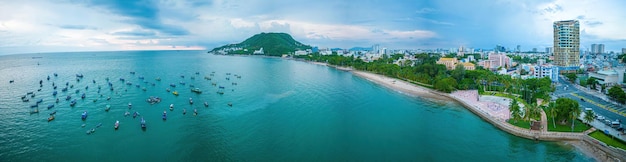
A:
[273,44]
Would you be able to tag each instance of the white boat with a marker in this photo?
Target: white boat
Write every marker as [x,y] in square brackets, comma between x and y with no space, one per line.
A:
[117,124]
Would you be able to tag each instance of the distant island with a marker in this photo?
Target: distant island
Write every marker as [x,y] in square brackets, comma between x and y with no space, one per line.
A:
[270,44]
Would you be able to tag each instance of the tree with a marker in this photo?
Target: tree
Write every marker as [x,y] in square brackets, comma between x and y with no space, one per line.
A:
[571,76]
[552,113]
[583,82]
[592,82]
[575,112]
[515,111]
[616,93]
[446,84]
[589,115]
[565,108]
[458,73]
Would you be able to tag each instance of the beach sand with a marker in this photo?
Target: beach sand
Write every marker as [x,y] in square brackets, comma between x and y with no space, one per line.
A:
[400,85]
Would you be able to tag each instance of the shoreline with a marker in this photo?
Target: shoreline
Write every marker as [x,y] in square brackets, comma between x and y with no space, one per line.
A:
[579,141]
[401,86]
[418,91]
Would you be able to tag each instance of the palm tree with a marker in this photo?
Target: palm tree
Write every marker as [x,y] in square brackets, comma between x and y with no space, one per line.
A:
[589,116]
[552,113]
[515,111]
[574,113]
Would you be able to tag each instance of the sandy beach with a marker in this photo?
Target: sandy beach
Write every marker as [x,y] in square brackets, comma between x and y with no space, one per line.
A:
[399,85]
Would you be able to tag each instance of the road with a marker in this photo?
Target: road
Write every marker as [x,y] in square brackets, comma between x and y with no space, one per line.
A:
[596,101]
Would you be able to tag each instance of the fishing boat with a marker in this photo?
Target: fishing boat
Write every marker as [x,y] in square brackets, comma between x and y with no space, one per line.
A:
[33,106]
[164,115]
[68,97]
[79,75]
[168,90]
[54,112]
[206,104]
[190,100]
[132,72]
[55,74]
[171,107]
[135,114]
[73,102]
[82,96]
[34,111]
[126,113]
[109,98]
[196,90]
[64,89]
[57,100]
[54,93]
[184,111]
[117,124]
[50,106]
[130,105]
[122,79]
[172,85]
[195,112]
[39,101]
[107,108]
[50,118]
[157,79]
[143,123]
[84,115]
[192,78]
[181,83]
[230,104]
[175,93]
[141,77]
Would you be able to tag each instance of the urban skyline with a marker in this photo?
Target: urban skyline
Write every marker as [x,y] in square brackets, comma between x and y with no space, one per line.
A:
[40,26]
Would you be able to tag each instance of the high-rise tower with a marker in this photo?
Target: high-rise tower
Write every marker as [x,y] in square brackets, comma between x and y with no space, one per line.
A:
[566,43]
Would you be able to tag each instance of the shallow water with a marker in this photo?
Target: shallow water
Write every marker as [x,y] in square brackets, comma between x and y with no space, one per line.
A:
[282,110]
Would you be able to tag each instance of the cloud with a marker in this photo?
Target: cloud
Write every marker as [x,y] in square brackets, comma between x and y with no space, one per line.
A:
[142,13]
[425,10]
[78,27]
[136,32]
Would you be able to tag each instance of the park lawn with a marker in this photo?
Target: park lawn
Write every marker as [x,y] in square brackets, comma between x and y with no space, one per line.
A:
[579,126]
[520,123]
[607,139]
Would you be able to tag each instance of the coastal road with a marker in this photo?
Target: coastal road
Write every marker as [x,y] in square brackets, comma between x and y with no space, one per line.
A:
[598,104]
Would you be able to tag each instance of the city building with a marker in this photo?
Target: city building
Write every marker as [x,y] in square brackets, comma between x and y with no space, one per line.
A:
[469,66]
[496,60]
[545,70]
[606,77]
[567,44]
[549,50]
[450,63]
[597,48]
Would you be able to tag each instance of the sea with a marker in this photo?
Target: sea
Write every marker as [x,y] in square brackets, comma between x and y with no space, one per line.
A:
[271,109]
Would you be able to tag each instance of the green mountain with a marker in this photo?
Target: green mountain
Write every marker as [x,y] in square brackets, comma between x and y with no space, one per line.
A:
[273,44]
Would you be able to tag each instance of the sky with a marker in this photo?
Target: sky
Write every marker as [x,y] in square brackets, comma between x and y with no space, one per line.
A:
[32,26]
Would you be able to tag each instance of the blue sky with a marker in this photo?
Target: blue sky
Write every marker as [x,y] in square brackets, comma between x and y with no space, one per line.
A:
[84,25]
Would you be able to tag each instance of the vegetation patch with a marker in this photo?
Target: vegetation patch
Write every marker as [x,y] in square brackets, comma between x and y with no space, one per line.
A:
[607,139]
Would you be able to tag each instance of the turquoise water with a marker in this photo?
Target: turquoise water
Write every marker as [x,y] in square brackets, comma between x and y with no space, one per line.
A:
[282,110]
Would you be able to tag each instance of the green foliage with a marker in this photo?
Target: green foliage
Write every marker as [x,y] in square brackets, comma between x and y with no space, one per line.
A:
[273,44]
[589,116]
[523,60]
[446,85]
[571,76]
[579,126]
[514,108]
[607,139]
[592,82]
[565,108]
[616,93]
[583,82]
